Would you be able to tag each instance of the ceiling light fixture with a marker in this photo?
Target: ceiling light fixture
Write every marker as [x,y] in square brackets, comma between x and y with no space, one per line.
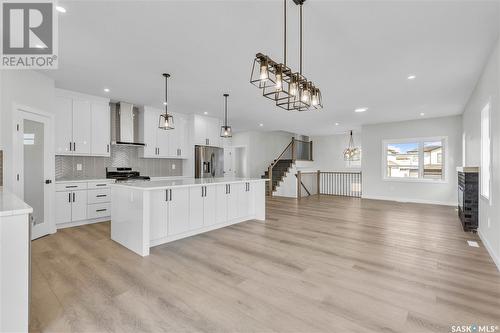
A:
[166,121]
[351,153]
[359,110]
[225,130]
[290,91]
[106,90]
[412,77]
[61,9]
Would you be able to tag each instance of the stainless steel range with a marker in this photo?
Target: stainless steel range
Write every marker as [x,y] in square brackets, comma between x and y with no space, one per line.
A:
[125,175]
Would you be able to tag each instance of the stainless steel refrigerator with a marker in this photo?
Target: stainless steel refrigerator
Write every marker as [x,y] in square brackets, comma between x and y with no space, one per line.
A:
[209,162]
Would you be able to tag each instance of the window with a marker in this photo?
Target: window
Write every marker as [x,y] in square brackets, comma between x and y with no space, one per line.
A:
[485,151]
[415,159]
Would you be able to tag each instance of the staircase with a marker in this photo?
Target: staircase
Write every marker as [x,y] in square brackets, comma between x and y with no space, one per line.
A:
[280,168]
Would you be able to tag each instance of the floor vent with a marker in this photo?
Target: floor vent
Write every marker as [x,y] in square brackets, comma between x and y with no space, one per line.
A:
[473,243]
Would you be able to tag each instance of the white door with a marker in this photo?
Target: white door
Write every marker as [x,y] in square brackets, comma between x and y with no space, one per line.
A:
[232,202]
[63,126]
[196,200]
[78,205]
[209,206]
[63,205]
[101,118]
[158,227]
[34,162]
[178,211]
[221,204]
[81,127]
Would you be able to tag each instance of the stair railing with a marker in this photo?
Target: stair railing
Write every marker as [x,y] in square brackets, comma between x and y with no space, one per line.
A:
[270,169]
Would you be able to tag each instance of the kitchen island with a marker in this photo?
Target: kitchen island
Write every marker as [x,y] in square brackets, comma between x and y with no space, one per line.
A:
[149,213]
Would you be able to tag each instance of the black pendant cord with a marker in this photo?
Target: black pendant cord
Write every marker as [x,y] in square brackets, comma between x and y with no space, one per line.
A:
[284,32]
[166,92]
[300,40]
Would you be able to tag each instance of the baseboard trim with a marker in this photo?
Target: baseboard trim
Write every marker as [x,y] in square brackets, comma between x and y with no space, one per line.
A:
[82,222]
[407,200]
[488,247]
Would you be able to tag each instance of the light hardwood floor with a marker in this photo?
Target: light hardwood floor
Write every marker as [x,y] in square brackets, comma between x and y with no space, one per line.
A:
[326,264]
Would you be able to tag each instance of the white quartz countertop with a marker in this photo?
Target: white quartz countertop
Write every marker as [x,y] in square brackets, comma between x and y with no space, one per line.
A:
[83,180]
[184,182]
[10,204]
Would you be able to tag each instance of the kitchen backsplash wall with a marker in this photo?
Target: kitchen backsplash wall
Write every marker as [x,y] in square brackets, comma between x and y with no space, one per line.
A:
[121,156]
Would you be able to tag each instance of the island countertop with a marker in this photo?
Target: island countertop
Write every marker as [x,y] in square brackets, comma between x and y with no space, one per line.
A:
[183,182]
[10,204]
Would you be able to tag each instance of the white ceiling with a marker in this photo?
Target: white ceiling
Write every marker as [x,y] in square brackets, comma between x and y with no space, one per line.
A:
[358,53]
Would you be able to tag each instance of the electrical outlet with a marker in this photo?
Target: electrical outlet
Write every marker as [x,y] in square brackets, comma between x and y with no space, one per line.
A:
[79,167]
[173,166]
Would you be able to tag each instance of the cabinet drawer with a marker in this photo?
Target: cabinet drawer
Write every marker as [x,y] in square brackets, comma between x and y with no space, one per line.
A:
[70,186]
[98,210]
[94,185]
[99,195]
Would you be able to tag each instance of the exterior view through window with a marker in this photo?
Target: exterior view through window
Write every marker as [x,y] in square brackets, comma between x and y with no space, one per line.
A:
[415,159]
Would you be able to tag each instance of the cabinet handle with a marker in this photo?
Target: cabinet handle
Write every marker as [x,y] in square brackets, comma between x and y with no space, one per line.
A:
[101,210]
[166,195]
[202,192]
[101,195]
[70,146]
[229,188]
[101,184]
[73,196]
[170,195]
[207,141]
[74,146]
[107,148]
[69,197]
[71,186]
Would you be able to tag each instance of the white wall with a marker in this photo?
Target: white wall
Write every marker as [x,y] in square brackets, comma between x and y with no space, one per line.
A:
[23,87]
[262,148]
[487,90]
[328,152]
[375,187]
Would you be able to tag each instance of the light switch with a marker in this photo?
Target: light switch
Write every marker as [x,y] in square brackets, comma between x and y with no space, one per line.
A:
[173,166]
[79,167]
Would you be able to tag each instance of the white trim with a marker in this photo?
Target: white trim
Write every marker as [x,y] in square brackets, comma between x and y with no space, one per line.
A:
[420,142]
[82,222]
[408,200]
[80,96]
[489,248]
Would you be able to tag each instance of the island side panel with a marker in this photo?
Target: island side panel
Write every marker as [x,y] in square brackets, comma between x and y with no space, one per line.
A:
[260,200]
[130,218]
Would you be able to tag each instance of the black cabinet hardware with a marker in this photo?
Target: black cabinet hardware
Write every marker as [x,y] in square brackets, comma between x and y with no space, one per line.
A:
[170,195]
[101,184]
[101,195]
[69,197]
[107,148]
[101,210]
[71,186]
[73,196]
[166,195]
[70,146]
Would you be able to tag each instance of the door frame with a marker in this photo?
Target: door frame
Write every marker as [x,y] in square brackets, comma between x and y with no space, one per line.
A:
[21,112]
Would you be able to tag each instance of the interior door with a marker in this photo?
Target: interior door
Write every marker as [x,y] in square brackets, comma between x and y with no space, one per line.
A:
[34,160]
[81,127]
[101,118]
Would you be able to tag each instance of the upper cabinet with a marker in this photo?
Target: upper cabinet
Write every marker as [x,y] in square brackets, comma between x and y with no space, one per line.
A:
[82,124]
[206,131]
[162,143]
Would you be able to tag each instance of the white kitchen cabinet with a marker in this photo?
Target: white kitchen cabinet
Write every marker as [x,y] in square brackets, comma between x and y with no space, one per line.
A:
[177,138]
[221,204]
[206,131]
[232,201]
[82,124]
[209,206]
[158,227]
[63,207]
[178,210]
[100,129]
[196,203]
[148,127]
[246,200]
[63,126]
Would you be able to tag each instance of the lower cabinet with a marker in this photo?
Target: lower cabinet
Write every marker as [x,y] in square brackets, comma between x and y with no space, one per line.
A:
[71,206]
[169,212]
[202,206]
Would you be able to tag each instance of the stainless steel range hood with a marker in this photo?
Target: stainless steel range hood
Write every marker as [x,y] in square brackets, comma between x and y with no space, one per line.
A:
[125,124]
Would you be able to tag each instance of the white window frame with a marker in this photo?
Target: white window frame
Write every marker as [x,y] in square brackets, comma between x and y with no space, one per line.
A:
[485,171]
[420,142]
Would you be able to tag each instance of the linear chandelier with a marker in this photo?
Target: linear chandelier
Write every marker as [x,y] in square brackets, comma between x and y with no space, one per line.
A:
[290,90]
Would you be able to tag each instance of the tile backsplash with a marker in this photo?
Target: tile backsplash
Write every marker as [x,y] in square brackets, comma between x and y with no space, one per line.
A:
[121,156]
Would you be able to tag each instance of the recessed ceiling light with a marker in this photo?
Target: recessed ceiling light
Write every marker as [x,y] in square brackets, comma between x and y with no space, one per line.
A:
[205,112]
[261,124]
[337,124]
[164,103]
[422,114]
[61,9]
[412,77]
[106,89]
[360,110]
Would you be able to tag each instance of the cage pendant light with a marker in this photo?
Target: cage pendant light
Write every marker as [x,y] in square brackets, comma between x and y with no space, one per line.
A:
[166,120]
[351,153]
[225,130]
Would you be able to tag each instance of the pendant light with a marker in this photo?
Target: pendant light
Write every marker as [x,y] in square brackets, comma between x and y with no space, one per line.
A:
[225,131]
[351,153]
[166,121]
